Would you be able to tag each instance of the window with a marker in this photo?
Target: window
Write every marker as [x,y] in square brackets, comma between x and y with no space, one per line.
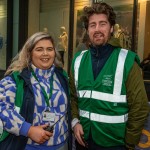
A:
[3,33]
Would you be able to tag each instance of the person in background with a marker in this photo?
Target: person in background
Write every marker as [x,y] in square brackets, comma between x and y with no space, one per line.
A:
[108,99]
[45,101]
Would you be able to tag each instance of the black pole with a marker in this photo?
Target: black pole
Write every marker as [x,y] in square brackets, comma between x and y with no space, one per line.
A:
[23,22]
[134,25]
[9,43]
[71,27]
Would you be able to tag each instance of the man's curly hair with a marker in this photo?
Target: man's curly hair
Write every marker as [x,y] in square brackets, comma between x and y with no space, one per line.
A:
[98,8]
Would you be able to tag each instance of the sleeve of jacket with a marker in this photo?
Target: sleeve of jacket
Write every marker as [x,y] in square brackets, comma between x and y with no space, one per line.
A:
[74,98]
[138,106]
[13,122]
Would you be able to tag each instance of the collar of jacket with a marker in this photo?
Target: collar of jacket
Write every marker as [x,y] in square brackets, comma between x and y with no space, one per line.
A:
[101,50]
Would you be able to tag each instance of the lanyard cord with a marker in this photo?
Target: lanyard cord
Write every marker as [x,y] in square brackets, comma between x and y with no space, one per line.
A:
[43,90]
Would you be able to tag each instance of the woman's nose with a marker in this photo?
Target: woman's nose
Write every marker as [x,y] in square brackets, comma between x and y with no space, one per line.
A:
[44,51]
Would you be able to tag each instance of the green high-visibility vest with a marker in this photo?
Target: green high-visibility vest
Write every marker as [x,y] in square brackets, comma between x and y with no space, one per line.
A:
[18,99]
[102,102]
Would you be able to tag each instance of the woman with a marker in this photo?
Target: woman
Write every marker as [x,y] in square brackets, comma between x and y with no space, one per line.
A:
[45,100]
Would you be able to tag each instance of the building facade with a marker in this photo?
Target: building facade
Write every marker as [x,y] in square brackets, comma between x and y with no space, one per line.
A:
[19,19]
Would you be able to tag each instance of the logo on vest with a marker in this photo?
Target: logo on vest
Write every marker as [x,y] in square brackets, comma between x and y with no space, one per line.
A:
[107,80]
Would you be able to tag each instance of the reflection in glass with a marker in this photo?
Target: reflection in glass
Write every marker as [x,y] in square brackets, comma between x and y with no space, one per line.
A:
[81,40]
[123,26]
[62,45]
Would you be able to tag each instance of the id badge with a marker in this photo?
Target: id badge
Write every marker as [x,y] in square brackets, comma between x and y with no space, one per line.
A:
[48,116]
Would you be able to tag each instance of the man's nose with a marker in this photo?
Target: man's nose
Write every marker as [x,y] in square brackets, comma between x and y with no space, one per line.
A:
[97,28]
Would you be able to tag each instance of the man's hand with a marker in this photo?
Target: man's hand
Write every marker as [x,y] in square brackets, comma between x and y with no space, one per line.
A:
[38,134]
[78,132]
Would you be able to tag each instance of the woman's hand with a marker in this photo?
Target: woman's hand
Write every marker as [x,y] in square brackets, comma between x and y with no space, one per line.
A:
[38,134]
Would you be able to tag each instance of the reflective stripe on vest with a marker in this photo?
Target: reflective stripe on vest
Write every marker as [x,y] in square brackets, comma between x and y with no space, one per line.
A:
[119,72]
[104,118]
[102,96]
[76,67]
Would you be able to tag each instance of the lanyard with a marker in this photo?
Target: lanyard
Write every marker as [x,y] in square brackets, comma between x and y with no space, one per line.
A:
[47,98]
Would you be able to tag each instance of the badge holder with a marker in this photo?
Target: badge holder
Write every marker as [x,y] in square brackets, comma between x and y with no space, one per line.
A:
[48,116]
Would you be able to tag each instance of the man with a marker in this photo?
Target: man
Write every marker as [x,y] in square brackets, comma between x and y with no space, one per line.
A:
[109,103]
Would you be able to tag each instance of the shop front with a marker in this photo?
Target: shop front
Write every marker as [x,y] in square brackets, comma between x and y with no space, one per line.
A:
[19,19]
